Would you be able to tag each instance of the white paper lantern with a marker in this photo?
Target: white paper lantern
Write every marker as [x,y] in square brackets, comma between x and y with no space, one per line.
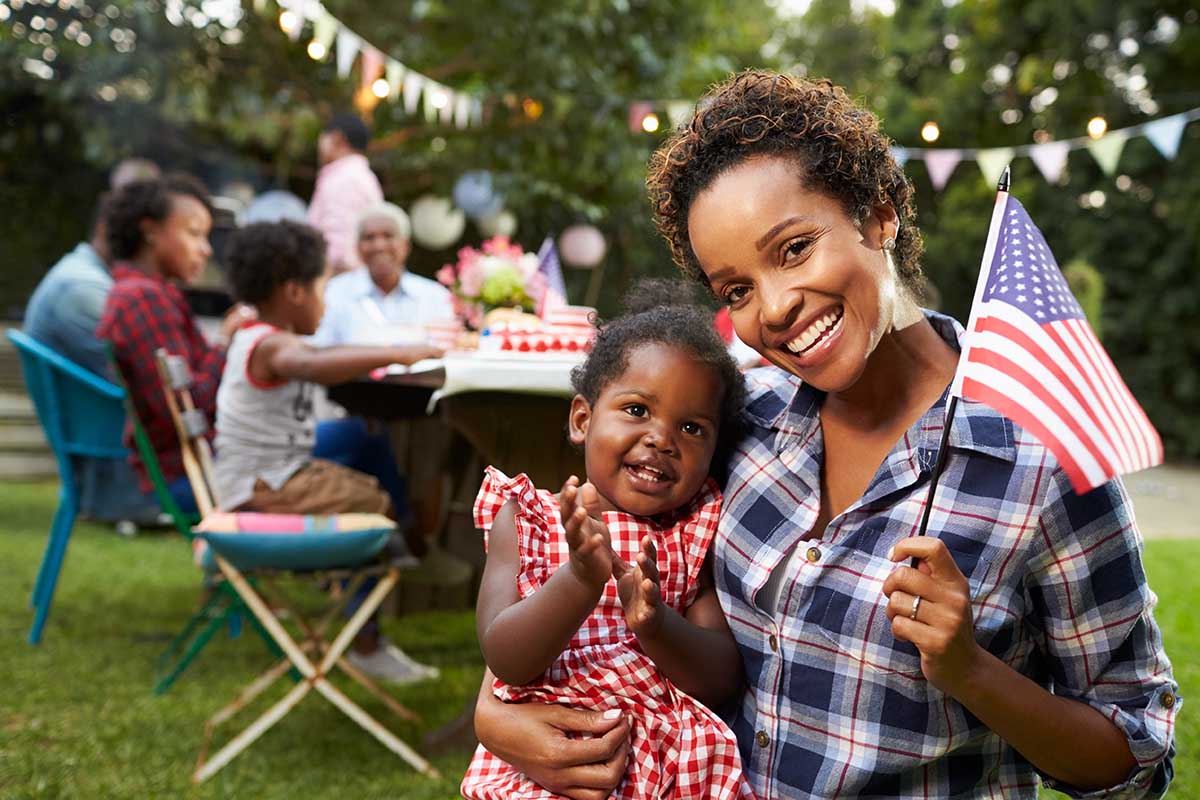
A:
[273,206]
[436,223]
[503,223]
[582,246]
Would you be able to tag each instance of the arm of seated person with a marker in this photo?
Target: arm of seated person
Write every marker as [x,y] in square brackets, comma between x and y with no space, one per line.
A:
[543,741]
[285,356]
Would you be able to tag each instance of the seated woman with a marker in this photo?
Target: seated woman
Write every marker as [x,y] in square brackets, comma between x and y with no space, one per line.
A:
[1024,647]
[157,233]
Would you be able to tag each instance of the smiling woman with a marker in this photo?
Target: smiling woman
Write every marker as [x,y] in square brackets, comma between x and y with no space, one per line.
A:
[1023,649]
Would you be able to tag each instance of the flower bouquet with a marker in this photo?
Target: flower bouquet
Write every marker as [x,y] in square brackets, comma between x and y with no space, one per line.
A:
[497,275]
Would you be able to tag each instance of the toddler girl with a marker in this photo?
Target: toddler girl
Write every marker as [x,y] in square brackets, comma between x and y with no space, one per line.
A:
[601,597]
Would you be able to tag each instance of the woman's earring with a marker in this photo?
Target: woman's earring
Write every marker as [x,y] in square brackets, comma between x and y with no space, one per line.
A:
[889,243]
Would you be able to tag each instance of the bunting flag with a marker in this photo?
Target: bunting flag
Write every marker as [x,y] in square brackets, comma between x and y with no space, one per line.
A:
[347,49]
[1051,157]
[372,66]
[940,164]
[1165,134]
[394,76]
[325,28]
[1107,150]
[414,84]
[992,163]
[1030,354]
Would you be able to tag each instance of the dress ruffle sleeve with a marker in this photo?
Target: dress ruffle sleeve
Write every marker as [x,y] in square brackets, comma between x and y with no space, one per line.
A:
[536,518]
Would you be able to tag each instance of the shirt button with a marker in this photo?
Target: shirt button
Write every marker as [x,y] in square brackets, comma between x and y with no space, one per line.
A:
[1167,700]
[762,738]
[774,642]
[813,555]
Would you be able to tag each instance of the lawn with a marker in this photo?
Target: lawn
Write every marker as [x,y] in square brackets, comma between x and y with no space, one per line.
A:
[78,718]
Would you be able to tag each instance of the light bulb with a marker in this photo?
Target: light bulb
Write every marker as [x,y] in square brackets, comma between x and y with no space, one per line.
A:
[930,131]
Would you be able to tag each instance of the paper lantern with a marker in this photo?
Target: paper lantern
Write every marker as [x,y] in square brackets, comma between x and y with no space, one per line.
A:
[475,194]
[582,246]
[503,223]
[436,223]
[274,206]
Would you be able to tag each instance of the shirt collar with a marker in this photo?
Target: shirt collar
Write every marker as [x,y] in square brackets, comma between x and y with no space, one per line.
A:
[791,410]
[368,287]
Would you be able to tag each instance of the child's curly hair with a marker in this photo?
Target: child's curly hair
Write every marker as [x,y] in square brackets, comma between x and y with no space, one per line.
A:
[659,311]
[265,255]
[836,143]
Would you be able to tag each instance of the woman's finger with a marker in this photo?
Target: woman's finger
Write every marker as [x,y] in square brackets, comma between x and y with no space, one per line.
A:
[932,551]
[599,749]
[913,581]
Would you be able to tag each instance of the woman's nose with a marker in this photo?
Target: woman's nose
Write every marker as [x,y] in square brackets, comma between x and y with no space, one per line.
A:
[778,303]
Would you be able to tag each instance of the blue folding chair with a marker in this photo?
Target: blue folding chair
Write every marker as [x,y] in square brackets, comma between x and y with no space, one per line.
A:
[82,415]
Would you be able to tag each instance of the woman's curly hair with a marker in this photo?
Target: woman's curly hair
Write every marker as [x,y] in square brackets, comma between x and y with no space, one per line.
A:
[124,209]
[836,143]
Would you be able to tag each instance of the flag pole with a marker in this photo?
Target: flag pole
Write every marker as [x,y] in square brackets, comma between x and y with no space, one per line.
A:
[956,385]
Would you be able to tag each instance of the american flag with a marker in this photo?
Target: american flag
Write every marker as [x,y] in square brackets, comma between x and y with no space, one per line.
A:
[1031,355]
[546,285]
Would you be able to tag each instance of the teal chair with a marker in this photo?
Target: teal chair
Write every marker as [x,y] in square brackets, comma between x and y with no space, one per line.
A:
[83,416]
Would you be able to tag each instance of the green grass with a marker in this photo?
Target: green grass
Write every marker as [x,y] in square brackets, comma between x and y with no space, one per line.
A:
[78,718]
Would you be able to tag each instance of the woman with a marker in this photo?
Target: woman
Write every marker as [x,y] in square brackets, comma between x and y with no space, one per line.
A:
[1023,646]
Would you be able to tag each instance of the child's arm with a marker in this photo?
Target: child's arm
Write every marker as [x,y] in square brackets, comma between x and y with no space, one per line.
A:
[696,652]
[284,356]
[520,638]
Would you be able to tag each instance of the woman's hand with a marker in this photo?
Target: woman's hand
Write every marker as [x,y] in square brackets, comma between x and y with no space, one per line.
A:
[943,627]
[533,737]
[587,536]
[640,593]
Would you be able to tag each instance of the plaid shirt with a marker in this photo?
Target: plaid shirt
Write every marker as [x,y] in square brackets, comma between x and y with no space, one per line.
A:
[142,314]
[837,706]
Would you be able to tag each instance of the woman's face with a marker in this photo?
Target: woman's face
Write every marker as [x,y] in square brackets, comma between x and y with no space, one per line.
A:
[806,287]
[382,249]
[179,244]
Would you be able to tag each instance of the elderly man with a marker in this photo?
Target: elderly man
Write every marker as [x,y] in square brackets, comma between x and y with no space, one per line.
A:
[386,300]
[345,187]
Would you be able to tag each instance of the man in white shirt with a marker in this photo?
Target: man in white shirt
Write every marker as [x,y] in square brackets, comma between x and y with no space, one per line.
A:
[384,303]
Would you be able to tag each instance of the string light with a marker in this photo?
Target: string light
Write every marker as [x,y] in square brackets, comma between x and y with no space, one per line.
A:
[532,108]
[316,50]
[930,131]
[439,99]
[288,21]
[650,123]
[380,88]
[1097,126]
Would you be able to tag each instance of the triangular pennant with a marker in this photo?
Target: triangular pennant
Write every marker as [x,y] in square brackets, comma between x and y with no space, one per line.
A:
[1107,150]
[992,163]
[414,83]
[900,154]
[395,77]
[462,111]
[477,112]
[1050,159]
[1165,134]
[637,112]
[432,92]
[347,48]
[940,164]
[372,66]
[260,6]
[679,112]
[446,112]
[324,28]
[299,9]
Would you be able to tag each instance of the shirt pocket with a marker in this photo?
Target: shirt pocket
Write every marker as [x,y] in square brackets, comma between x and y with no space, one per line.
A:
[850,611]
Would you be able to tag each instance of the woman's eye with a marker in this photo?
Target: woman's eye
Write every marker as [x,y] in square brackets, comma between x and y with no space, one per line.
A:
[635,410]
[796,248]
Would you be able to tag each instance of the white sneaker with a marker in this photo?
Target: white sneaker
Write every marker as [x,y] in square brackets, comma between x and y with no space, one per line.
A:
[389,663]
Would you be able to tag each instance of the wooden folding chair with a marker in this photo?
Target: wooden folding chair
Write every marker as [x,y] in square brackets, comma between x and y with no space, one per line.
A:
[314,656]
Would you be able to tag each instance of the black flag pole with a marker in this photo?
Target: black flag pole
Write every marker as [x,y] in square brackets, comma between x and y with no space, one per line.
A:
[952,406]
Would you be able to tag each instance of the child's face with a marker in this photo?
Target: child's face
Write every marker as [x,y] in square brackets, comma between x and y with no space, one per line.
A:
[308,302]
[649,438]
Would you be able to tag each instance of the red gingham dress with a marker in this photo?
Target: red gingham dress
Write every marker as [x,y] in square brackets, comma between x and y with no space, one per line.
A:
[679,748]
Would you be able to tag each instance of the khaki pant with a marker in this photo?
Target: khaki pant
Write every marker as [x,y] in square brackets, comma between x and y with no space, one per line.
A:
[321,487]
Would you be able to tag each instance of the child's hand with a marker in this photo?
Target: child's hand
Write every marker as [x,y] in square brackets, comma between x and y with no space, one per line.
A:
[640,593]
[587,536]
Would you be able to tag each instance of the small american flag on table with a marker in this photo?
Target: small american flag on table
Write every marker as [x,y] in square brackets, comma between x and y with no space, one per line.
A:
[1031,355]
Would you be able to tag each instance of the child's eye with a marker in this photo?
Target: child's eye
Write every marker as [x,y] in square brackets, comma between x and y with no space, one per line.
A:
[635,410]
[733,294]
[692,428]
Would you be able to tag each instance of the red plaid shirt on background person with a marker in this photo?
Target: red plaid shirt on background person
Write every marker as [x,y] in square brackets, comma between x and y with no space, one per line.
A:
[142,314]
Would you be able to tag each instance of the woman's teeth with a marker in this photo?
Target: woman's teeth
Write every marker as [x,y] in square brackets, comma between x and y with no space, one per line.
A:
[814,332]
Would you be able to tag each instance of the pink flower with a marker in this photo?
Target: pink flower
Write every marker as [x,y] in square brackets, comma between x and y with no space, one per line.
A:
[446,276]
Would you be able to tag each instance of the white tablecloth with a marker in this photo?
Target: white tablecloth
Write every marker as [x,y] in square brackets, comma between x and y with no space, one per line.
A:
[541,374]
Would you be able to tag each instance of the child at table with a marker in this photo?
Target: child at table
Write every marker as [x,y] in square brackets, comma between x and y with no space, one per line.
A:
[601,597]
[266,431]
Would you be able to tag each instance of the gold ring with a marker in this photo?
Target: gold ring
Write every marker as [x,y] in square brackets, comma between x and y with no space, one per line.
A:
[916,604]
